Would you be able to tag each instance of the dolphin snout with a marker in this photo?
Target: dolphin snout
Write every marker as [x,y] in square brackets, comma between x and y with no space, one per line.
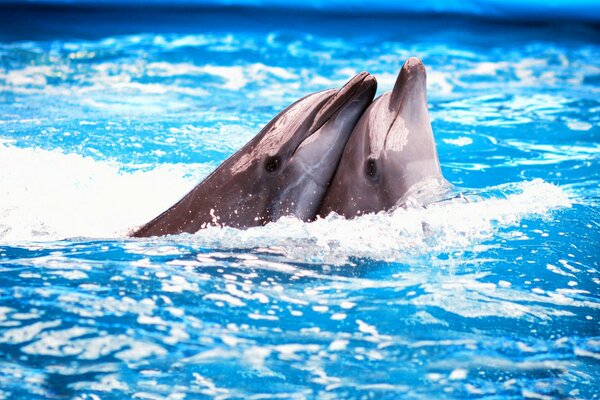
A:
[361,83]
[413,66]
[361,87]
[414,70]
[410,84]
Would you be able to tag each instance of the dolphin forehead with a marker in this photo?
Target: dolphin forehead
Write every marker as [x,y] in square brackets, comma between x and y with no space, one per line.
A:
[309,114]
[291,127]
[285,132]
[362,83]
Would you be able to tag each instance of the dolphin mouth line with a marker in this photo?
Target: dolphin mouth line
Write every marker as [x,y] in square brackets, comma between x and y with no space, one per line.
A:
[350,93]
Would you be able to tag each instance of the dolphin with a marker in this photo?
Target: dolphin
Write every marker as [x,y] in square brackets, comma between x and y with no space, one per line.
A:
[283,171]
[391,154]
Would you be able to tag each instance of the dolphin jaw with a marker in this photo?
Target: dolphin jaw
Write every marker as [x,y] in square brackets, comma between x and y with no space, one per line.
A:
[425,191]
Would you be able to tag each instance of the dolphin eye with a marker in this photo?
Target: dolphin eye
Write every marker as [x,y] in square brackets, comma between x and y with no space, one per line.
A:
[371,168]
[272,164]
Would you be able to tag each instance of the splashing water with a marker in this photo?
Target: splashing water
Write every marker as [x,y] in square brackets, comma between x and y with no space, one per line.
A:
[490,294]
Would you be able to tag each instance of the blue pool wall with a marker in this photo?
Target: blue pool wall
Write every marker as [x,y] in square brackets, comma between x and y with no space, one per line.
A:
[576,10]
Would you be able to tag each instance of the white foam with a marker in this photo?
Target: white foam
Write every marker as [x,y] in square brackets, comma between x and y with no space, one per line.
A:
[442,226]
[460,141]
[46,195]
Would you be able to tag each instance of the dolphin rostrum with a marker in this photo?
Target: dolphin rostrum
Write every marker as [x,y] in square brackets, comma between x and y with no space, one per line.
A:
[284,170]
[391,154]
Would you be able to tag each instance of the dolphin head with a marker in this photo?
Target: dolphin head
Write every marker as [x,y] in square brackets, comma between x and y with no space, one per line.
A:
[286,169]
[391,152]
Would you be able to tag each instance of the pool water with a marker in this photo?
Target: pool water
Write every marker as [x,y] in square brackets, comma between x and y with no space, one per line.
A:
[109,117]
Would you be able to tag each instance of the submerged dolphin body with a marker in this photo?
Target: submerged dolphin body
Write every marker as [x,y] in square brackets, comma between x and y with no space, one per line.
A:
[284,170]
[391,153]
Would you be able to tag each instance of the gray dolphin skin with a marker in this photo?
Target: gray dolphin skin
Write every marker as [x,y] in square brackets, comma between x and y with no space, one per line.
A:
[284,170]
[391,153]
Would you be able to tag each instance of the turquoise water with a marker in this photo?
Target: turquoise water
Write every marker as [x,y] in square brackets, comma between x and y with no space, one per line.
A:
[107,118]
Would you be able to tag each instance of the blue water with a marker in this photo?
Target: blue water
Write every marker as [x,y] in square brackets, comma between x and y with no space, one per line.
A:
[107,118]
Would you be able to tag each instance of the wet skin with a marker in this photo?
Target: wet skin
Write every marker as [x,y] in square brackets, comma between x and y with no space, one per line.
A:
[285,170]
[391,153]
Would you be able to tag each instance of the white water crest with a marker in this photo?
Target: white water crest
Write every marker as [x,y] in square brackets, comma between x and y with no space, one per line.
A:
[50,195]
[452,224]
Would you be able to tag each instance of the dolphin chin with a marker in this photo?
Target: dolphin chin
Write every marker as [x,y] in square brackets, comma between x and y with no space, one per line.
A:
[284,170]
[391,152]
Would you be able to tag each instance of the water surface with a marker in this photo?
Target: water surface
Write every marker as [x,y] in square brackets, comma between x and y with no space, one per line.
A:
[107,118]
